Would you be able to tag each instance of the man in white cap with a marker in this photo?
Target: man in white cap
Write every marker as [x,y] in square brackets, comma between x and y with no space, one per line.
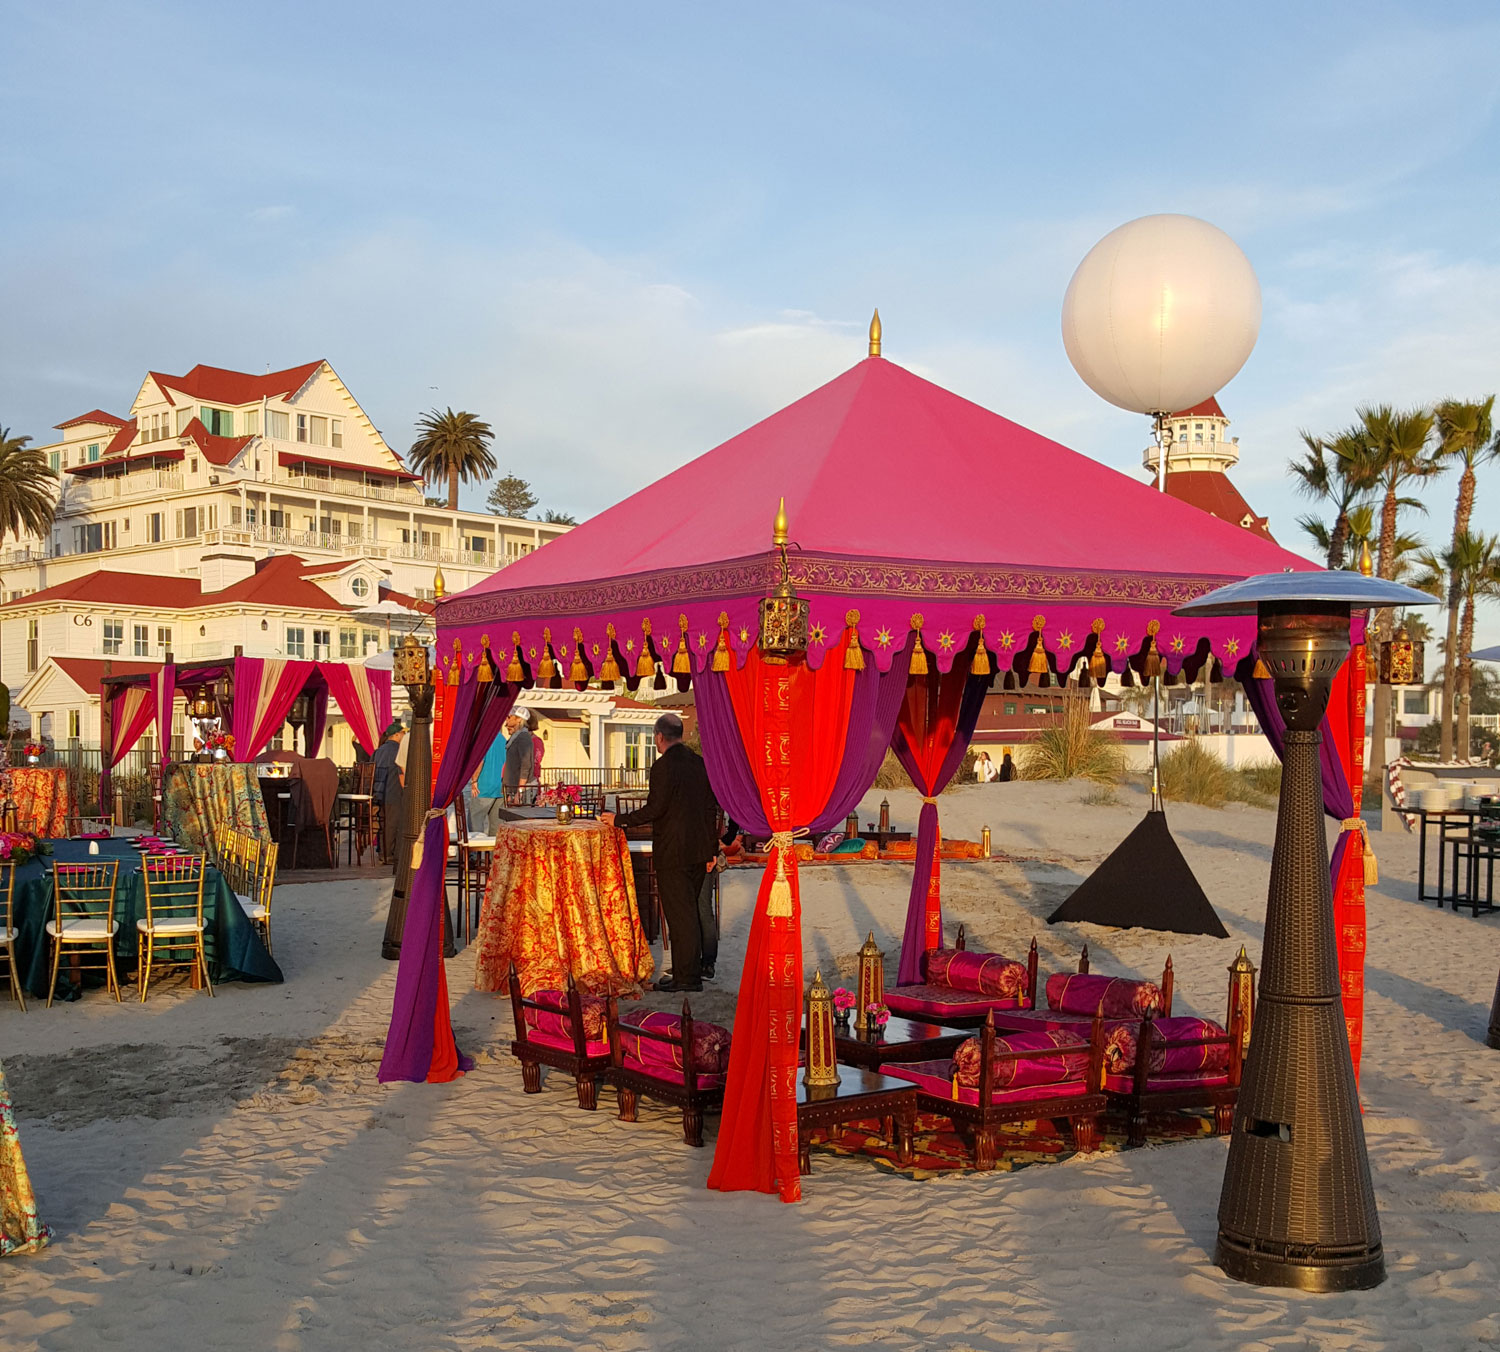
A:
[520,758]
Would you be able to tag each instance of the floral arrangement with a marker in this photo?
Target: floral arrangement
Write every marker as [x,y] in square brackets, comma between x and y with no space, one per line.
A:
[221,741]
[20,847]
[843,1000]
[33,749]
[560,794]
[878,1015]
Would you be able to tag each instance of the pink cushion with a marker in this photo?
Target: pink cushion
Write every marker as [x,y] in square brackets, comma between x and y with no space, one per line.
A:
[710,1043]
[1073,993]
[1021,1072]
[981,973]
[555,1019]
[564,1042]
[932,1077]
[1165,1084]
[658,1070]
[1121,1043]
[935,1001]
[1029,1020]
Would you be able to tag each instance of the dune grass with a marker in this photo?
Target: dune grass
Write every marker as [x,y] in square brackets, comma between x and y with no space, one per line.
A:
[1072,749]
[1190,774]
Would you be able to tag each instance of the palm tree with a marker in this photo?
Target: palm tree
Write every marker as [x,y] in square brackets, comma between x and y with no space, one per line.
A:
[1465,434]
[28,488]
[1395,453]
[1476,564]
[1331,471]
[455,446]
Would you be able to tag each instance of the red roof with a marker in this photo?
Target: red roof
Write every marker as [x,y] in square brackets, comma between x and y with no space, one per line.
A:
[302,458]
[235,387]
[277,581]
[1209,490]
[1209,408]
[216,450]
[122,438]
[96,415]
[87,672]
[410,602]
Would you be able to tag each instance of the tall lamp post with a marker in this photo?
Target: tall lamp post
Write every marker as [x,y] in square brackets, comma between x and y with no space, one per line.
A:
[1297,1207]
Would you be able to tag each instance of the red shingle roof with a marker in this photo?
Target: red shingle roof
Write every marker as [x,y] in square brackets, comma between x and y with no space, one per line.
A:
[97,415]
[216,450]
[235,387]
[87,672]
[410,602]
[277,581]
[1209,408]
[302,458]
[1210,491]
[122,438]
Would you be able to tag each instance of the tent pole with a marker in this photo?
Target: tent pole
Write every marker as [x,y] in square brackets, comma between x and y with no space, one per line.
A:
[1156,744]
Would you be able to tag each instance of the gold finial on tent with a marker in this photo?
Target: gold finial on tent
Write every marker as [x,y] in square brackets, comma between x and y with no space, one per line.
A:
[781,528]
[875,334]
[439,587]
[1366,563]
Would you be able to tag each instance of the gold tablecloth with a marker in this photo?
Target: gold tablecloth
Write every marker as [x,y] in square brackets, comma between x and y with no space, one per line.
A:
[44,799]
[560,900]
[21,1230]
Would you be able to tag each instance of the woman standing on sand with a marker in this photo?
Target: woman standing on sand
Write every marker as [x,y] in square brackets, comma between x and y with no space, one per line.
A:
[20,1229]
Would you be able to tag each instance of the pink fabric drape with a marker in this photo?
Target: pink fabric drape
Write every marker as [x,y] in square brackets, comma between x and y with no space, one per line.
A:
[264,689]
[363,697]
[132,710]
[163,697]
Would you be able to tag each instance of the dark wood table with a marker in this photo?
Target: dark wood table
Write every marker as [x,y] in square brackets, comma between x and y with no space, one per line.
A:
[859,1094]
[904,1040]
[883,838]
[1452,824]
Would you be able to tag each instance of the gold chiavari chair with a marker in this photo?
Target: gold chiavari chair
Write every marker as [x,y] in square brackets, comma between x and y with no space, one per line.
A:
[8,931]
[254,890]
[83,897]
[173,923]
[232,848]
[93,826]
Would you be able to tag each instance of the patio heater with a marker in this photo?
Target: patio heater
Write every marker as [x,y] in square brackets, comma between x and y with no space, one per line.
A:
[1297,1207]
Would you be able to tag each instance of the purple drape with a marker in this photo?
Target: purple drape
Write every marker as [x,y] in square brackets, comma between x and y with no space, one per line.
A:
[1338,798]
[724,755]
[317,687]
[479,709]
[914,940]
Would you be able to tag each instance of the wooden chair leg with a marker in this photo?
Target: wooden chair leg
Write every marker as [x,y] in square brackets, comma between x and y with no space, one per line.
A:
[627,1099]
[984,1149]
[1223,1118]
[1137,1132]
[1085,1134]
[692,1125]
[531,1077]
[588,1091]
[804,1153]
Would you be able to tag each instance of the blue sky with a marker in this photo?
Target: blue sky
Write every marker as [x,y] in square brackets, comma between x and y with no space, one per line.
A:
[622,233]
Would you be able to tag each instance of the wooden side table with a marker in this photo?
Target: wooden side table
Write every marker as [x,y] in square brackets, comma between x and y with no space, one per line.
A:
[858,1095]
[904,1040]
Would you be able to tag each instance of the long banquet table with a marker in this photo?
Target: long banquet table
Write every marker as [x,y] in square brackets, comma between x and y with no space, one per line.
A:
[231,942]
[560,902]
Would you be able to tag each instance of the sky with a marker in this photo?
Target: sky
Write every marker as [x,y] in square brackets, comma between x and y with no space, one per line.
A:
[622,234]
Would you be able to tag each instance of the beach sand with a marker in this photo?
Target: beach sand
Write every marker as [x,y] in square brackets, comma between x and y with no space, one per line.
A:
[228,1173]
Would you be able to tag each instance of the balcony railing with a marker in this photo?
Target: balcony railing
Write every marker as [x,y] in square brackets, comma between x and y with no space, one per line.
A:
[285,537]
[137,484]
[407,494]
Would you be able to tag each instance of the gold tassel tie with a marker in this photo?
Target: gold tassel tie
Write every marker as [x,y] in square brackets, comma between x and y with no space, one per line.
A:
[547,666]
[645,664]
[723,658]
[682,659]
[1098,662]
[1372,866]
[854,654]
[918,665]
[456,665]
[980,666]
[516,672]
[578,673]
[1038,666]
[609,669]
[779,903]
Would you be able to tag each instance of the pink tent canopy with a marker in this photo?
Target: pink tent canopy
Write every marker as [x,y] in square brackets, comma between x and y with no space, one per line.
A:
[907,503]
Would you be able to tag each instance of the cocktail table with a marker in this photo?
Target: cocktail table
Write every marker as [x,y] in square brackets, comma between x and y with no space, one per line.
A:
[859,1094]
[904,1040]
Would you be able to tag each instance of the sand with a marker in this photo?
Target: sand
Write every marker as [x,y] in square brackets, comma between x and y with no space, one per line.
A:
[228,1173]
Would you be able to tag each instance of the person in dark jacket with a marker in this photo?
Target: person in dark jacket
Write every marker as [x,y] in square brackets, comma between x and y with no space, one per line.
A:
[683,816]
[387,789]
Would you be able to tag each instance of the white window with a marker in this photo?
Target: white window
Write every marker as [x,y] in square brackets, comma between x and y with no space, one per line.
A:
[154,528]
[1414,701]
[319,429]
[184,417]
[54,461]
[302,427]
[234,516]
[338,432]
[218,421]
[141,640]
[192,464]
[93,452]
[348,644]
[276,423]
[296,642]
[371,640]
[252,422]
[322,645]
[114,637]
[163,638]
[359,586]
[188,523]
[213,516]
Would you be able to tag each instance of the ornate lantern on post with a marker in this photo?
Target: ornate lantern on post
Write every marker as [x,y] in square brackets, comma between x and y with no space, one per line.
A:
[300,716]
[822,1063]
[1297,1207]
[783,614]
[1401,659]
[871,986]
[410,667]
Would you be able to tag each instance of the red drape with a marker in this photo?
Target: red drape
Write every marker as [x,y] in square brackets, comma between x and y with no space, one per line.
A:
[793,722]
[132,711]
[1346,708]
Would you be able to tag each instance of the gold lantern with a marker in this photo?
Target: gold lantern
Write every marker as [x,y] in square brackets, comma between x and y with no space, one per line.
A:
[783,614]
[1401,660]
[202,706]
[822,1064]
[1241,997]
[409,663]
[871,988]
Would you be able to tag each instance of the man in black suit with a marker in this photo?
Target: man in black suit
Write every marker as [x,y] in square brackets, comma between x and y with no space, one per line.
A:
[683,816]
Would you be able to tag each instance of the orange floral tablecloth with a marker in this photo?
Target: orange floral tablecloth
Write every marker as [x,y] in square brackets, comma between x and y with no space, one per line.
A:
[560,900]
[43,798]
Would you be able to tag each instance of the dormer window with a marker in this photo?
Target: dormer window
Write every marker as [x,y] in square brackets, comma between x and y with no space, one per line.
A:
[360,587]
[337,433]
[192,464]
[218,421]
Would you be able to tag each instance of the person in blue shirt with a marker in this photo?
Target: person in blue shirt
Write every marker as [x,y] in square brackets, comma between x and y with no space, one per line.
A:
[486,790]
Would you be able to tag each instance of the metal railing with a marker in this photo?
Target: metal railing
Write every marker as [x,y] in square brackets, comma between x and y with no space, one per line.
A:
[317,484]
[593,776]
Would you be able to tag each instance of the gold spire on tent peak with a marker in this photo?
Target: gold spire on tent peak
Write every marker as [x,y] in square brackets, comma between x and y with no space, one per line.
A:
[781,528]
[439,587]
[1366,563]
[875,334]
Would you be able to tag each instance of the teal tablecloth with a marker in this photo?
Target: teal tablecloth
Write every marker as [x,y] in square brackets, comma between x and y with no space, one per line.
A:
[232,944]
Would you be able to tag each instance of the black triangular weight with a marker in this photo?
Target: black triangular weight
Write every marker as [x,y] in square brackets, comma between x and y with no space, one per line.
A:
[1144,883]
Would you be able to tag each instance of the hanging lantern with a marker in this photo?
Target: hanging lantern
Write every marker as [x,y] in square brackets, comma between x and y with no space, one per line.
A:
[301,714]
[871,987]
[822,1063]
[224,694]
[409,663]
[1242,997]
[783,614]
[202,707]
[1401,660]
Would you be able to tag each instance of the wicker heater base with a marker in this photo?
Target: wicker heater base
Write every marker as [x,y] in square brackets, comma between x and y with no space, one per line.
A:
[1492,1039]
[1298,1208]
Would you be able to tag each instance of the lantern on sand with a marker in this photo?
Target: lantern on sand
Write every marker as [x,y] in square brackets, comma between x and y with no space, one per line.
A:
[822,1063]
[1242,997]
[871,982]
[1161,314]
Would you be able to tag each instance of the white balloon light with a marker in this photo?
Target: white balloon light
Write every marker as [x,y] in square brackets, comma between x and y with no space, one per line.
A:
[1161,314]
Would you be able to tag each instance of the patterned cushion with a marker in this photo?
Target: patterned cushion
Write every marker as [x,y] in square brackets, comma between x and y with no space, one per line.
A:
[710,1043]
[1166,1084]
[554,1019]
[982,973]
[658,1070]
[1027,1071]
[1121,1041]
[563,1042]
[933,1077]
[935,1001]
[1073,993]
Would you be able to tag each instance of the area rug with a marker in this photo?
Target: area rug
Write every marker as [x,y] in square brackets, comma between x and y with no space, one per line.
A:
[938,1149]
